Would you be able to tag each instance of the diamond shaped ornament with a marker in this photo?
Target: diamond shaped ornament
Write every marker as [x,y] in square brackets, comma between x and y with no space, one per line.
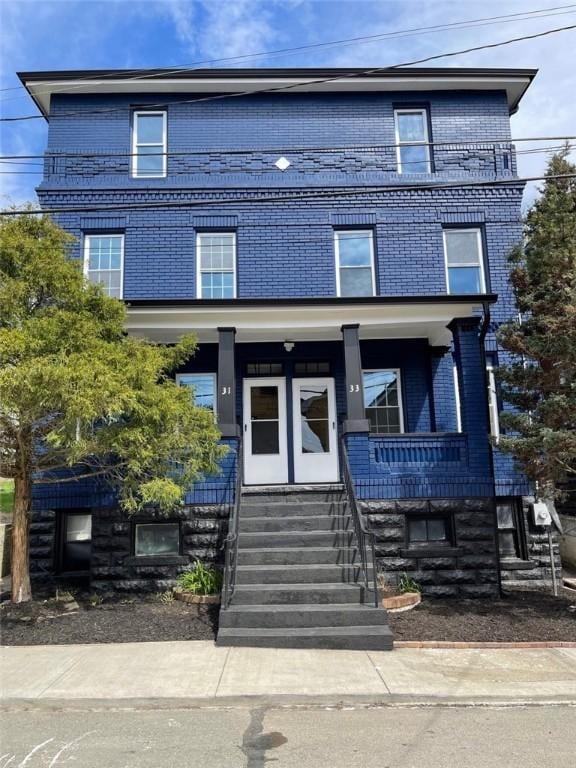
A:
[282,163]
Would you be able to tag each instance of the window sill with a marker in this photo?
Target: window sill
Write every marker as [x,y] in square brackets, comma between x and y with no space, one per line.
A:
[431,552]
[514,564]
[156,560]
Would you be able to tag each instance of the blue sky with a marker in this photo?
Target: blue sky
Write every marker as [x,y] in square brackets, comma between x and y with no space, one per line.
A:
[85,34]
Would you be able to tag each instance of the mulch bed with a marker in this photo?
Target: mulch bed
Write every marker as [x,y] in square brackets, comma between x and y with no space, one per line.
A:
[117,620]
[520,616]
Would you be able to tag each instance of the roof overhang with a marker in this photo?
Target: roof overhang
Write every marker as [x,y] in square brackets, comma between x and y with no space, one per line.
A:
[303,319]
[42,85]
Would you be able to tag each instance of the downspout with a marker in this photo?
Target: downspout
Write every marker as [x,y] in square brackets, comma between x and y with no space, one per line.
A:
[483,332]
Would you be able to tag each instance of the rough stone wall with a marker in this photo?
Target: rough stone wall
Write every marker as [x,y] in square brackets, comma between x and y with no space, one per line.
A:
[113,566]
[469,569]
[537,571]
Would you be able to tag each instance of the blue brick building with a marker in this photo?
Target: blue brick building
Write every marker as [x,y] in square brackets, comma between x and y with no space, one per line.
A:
[337,241]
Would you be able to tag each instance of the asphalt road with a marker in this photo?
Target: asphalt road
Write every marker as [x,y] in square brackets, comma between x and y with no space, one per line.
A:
[439,737]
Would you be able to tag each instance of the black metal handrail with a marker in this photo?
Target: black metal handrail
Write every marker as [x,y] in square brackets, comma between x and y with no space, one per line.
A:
[364,536]
[231,540]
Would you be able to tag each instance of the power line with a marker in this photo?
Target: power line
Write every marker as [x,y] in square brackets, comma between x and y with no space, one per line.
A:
[288,149]
[316,195]
[320,81]
[464,24]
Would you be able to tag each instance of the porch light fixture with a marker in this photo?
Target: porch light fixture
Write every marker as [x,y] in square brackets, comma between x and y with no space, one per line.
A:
[288,346]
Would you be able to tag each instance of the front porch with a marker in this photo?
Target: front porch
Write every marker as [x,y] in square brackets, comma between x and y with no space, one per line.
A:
[403,387]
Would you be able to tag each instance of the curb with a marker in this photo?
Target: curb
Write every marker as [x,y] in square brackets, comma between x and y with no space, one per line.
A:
[288,701]
[459,645]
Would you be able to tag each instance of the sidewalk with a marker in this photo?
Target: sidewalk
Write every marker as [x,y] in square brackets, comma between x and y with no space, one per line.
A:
[190,674]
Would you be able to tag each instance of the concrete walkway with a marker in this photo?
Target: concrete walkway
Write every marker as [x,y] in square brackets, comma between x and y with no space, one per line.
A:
[199,673]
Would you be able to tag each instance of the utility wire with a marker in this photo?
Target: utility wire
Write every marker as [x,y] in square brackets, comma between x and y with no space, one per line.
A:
[320,81]
[287,149]
[464,24]
[316,195]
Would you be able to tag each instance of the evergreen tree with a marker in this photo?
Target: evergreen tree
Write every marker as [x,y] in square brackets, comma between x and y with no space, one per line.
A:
[540,379]
[78,397]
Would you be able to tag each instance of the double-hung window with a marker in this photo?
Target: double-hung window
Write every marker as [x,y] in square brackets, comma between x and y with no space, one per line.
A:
[104,262]
[216,265]
[354,263]
[149,145]
[464,261]
[383,401]
[412,140]
[203,386]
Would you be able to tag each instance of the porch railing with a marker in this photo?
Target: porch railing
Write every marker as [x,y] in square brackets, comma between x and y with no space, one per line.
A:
[231,540]
[365,537]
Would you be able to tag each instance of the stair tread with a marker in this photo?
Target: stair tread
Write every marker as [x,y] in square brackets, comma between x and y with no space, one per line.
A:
[353,631]
[328,585]
[297,566]
[301,607]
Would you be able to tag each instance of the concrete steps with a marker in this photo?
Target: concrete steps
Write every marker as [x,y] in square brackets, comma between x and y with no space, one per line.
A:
[369,638]
[299,582]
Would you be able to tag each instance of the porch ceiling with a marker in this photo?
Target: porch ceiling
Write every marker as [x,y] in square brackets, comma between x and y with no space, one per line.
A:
[303,320]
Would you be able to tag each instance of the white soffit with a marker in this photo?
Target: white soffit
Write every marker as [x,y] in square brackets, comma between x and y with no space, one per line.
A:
[514,85]
[297,322]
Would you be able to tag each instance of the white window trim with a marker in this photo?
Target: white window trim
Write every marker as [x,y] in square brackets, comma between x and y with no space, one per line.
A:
[370,235]
[493,402]
[212,375]
[86,264]
[480,263]
[136,144]
[457,398]
[421,143]
[199,236]
[399,387]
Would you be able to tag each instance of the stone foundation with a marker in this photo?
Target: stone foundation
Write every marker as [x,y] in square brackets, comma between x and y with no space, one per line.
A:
[536,570]
[467,569]
[113,565]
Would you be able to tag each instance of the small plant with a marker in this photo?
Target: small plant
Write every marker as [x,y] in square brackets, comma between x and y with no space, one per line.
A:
[166,597]
[408,584]
[200,580]
[95,600]
[64,595]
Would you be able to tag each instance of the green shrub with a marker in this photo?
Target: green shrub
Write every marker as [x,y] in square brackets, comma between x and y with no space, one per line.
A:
[408,584]
[200,580]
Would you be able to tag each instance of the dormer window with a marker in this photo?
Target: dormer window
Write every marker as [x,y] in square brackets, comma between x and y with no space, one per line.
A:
[412,140]
[149,145]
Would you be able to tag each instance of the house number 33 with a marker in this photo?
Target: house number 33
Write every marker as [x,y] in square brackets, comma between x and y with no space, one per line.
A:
[354,387]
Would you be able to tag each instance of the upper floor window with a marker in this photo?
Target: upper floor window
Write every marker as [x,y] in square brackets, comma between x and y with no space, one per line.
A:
[216,265]
[149,145]
[464,261]
[104,262]
[354,263]
[203,386]
[383,401]
[412,140]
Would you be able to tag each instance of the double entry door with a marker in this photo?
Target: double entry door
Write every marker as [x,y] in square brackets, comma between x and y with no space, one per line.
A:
[304,435]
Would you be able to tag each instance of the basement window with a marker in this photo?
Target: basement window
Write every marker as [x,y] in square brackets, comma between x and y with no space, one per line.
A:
[153,539]
[430,531]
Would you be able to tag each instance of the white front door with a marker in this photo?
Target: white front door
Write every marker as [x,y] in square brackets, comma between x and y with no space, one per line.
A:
[314,427]
[265,445]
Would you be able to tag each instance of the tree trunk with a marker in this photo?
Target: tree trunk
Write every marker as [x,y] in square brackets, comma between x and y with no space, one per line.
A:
[21,591]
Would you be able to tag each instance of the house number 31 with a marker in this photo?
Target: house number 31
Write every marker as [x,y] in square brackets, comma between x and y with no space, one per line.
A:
[354,387]
[226,390]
